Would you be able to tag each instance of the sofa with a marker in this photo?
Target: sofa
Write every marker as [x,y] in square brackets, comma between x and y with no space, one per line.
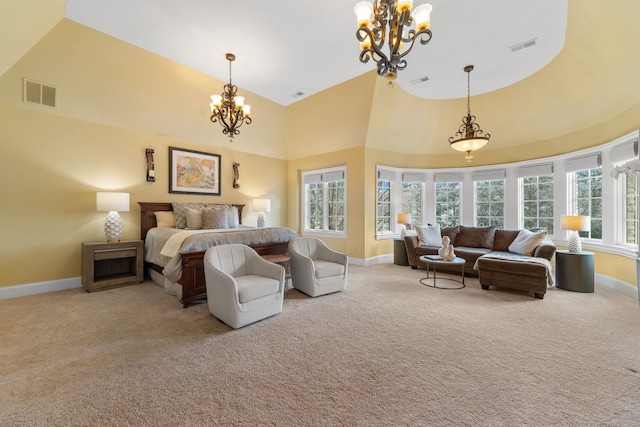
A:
[513,259]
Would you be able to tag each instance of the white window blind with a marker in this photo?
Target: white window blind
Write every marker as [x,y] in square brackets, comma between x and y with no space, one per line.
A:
[624,152]
[333,176]
[448,177]
[386,175]
[414,177]
[490,175]
[312,178]
[535,170]
[590,161]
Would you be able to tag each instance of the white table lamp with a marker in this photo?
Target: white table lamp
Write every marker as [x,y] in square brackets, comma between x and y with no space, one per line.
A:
[403,219]
[112,203]
[262,206]
[575,223]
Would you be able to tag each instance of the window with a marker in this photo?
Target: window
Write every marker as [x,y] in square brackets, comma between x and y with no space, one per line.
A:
[324,208]
[588,199]
[490,203]
[448,203]
[537,202]
[412,201]
[383,217]
[626,187]
[489,198]
[630,235]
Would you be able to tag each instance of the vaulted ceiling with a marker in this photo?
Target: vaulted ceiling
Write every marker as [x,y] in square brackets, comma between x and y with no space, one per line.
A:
[291,47]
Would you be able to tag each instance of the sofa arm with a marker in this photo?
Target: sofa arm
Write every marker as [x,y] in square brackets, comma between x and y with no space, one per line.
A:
[546,249]
[411,242]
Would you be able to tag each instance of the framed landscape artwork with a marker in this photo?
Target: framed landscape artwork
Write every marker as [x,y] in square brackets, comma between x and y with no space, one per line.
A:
[193,172]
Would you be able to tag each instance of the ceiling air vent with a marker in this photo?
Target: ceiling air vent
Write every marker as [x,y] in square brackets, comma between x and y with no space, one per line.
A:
[39,93]
[297,94]
[523,45]
[420,80]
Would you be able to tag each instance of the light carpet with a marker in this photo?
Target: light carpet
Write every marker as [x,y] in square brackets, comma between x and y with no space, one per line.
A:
[388,351]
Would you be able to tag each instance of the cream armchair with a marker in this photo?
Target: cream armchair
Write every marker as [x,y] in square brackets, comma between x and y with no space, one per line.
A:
[317,269]
[242,287]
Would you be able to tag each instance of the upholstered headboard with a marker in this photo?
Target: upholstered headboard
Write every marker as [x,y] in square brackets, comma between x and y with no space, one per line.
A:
[148,217]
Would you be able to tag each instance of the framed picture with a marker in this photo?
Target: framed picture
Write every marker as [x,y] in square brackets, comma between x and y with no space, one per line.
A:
[194,172]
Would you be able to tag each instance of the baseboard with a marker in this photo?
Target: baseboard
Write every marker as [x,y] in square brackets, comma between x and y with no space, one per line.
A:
[76,282]
[40,287]
[618,285]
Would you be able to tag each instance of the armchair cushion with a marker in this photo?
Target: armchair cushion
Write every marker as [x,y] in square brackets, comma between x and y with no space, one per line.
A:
[328,269]
[254,287]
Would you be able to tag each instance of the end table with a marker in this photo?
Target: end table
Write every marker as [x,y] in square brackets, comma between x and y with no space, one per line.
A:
[575,271]
[400,252]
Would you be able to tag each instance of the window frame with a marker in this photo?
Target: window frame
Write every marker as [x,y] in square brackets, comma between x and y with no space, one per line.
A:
[325,231]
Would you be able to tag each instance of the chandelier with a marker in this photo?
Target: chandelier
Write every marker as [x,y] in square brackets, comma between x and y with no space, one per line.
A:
[372,33]
[469,135]
[229,109]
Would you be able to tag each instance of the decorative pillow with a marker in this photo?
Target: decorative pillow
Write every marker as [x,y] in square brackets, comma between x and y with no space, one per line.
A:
[165,219]
[429,235]
[503,239]
[194,218]
[214,218]
[476,237]
[233,218]
[527,241]
[180,212]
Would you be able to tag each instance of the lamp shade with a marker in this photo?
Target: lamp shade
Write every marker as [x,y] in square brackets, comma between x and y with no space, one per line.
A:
[403,218]
[262,205]
[107,202]
[576,222]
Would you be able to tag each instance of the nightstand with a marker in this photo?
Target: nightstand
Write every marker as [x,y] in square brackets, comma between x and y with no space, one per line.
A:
[400,252]
[110,265]
[575,271]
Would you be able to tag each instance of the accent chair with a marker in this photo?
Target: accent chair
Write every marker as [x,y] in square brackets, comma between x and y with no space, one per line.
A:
[316,269]
[242,287]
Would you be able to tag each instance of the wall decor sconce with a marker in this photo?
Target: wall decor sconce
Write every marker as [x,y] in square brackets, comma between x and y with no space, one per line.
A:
[262,206]
[236,175]
[151,173]
[112,203]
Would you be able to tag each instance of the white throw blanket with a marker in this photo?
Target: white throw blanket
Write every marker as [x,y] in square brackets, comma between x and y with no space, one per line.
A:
[521,258]
[173,245]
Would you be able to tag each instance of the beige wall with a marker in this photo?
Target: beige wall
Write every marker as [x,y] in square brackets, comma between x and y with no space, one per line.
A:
[52,166]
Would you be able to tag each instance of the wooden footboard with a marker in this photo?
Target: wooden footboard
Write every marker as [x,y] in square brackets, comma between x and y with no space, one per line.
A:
[193,283]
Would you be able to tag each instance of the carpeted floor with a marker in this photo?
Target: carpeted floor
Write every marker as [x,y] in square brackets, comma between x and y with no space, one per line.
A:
[386,352]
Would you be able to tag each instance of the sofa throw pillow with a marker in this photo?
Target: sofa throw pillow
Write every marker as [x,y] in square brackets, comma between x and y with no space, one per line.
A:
[180,212]
[194,218]
[476,237]
[165,219]
[429,235]
[527,241]
[233,218]
[214,218]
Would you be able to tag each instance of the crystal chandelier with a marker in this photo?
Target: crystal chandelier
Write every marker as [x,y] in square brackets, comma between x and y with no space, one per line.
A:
[469,135]
[372,33]
[229,109]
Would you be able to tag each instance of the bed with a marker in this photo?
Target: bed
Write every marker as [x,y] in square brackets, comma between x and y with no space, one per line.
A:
[184,271]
